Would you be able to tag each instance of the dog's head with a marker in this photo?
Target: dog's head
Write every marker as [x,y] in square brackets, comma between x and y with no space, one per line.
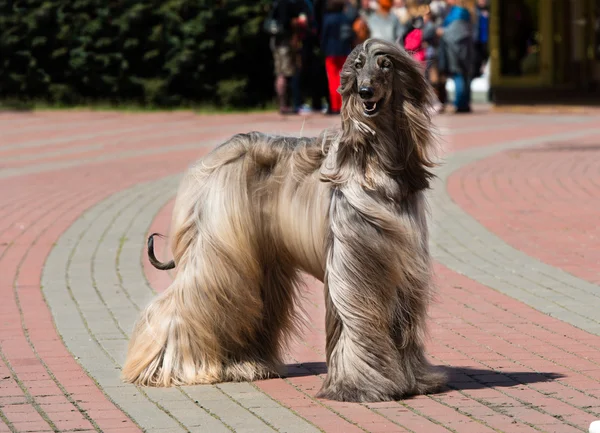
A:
[386,106]
[378,77]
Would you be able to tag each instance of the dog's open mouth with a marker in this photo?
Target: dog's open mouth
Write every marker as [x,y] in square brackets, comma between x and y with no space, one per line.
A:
[371,108]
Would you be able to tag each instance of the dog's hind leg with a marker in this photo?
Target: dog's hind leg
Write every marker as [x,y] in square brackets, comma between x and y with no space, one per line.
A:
[219,319]
[262,356]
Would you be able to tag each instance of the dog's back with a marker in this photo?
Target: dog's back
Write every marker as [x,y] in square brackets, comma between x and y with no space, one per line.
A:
[277,179]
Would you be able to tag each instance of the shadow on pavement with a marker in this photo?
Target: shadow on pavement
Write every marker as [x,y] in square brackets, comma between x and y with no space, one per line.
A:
[459,378]
[559,147]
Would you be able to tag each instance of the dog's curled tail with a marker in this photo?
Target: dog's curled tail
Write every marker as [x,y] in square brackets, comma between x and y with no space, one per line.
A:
[153,260]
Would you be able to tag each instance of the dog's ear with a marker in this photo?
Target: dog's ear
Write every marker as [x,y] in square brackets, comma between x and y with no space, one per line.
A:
[348,73]
[416,96]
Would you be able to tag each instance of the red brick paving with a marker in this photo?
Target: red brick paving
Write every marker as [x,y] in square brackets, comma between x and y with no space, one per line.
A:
[544,201]
[513,369]
[35,215]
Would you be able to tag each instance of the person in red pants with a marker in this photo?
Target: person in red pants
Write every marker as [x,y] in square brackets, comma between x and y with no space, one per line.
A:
[336,43]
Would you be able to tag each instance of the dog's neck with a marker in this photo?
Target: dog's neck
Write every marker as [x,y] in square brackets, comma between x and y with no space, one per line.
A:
[368,153]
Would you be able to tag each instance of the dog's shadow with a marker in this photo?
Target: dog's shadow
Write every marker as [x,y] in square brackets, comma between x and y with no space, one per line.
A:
[459,378]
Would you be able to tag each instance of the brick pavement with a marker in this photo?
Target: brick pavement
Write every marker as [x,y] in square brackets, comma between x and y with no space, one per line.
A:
[80,191]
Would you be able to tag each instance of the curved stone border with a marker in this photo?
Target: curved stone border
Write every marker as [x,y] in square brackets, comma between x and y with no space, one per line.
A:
[462,244]
[95,286]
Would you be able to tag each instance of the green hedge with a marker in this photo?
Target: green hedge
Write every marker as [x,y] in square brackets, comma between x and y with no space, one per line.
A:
[159,53]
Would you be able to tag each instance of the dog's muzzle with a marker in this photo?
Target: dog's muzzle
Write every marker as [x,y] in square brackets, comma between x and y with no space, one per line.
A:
[370,105]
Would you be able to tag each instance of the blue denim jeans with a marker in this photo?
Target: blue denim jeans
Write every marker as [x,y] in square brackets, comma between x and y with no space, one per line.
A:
[462,92]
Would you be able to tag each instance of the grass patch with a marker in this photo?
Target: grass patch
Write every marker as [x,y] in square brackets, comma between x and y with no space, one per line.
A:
[15,105]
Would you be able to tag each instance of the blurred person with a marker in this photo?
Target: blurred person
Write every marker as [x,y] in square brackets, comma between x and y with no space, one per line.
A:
[313,77]
[480,37]
[412,37]
[438,8]
[352,9]
[360,25]
[456,42]
[431,41]
[383,24]
[401,11]
[336,41]
[285,24]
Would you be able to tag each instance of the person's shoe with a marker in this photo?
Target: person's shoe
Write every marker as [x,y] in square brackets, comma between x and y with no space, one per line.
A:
[305,109]
[287,111]
[463,110]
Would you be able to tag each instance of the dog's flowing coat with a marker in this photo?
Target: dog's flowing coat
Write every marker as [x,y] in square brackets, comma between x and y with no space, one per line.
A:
[347,207]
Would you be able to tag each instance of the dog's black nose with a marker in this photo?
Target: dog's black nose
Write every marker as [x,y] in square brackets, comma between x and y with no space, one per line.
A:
[366,92]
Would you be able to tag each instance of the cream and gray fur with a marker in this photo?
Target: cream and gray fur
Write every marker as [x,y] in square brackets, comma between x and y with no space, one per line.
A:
[347,207]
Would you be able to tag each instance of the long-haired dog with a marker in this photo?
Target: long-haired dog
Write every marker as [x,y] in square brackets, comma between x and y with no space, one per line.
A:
[347,207]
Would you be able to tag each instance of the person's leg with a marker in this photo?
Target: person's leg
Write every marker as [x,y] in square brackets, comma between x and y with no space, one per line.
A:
[318,81]
[305,72]
[458,89]
[331,69]
[467,100]
[477,59]
[460,93]
[280,80]
[296,91]
[291,72]
[442,92]
[283,70]
[281,90]
[336,98]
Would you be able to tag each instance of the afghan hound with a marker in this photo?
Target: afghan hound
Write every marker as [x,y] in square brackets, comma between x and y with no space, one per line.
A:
[347,207]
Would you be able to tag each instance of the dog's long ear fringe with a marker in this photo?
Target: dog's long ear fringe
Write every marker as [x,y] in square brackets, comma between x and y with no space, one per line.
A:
[153,260]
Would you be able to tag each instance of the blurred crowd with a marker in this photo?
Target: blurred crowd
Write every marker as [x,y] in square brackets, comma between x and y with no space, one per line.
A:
[310,40]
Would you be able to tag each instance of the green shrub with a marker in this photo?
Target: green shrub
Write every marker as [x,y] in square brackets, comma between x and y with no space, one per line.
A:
[160,53]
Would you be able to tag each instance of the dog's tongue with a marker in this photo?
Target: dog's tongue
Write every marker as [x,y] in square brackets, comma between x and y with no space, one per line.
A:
[370,106]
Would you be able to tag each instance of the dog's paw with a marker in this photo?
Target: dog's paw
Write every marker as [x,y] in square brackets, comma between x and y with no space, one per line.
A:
[248,371]
[433,381]
[353,394]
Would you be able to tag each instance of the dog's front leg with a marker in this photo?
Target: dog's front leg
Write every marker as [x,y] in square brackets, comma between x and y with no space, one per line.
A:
[362,358]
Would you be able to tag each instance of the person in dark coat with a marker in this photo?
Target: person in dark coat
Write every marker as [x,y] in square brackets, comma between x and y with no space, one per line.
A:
[434,74]
[457,45]
[314,77]
[284,16]
[336,44]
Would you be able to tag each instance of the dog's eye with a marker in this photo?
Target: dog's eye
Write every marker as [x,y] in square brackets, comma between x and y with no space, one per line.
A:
[385,64]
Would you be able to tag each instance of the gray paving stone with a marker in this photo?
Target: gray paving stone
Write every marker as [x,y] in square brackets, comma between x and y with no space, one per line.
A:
[116,348]
[486,258]
[81,343]
[234,414]
[268,409]
[113,233]
[133,401]
[186,410]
